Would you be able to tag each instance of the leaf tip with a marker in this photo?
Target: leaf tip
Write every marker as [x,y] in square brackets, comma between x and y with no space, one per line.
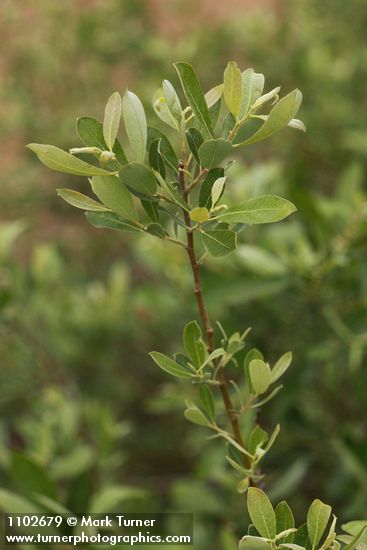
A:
[31,146]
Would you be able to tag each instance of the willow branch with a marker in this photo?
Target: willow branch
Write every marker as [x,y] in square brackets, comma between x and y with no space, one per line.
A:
[203,312]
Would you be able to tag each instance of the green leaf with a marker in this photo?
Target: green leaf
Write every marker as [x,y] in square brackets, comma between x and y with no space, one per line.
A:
[285,521]
[261,512]
[297,124]
[193,343]
[219,242]
[30,478]
[232,90]
[80,201]
[258,436]
[273,94]
[260,376]
[220,112]
[213,152]
[170,366]
[317,520]
[280,115]
[135,124]
[250,355]
[79,493]
[111,120]
[235,444]
[243,485]
[151,208]
[260,261]
[105,158]
[86,151]
[155,158]
[347,539]
[194,140]
[139,177]
[156,230]
[264,209]
[268,398]
[173,193]
[218,189]
[173,101]
[356,541]
[110,498]
[214,95]
[215,113]
[194,95]
[272,438]
[253,543]
[74,462]
[235,459]
[195,415]
[61,161]
[16,504]
[252,86]
[207,400]
[119,153]
[331,536]
[359,531]
[205,198]
[354,527]
[228,125]
[113,193]
[281,366]
[292,546]
[162,111]
[90,132]
[50,504]
[165,148]
[301,537]
[219,352]
[110,220]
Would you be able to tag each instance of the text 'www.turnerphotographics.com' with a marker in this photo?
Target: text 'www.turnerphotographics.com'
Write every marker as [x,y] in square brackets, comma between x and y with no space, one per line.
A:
[104,529]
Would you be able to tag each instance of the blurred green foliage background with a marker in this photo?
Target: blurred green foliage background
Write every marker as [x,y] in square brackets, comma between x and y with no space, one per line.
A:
[84,412]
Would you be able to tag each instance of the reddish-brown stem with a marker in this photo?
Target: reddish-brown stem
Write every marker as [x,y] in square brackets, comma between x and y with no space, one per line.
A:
[203,313]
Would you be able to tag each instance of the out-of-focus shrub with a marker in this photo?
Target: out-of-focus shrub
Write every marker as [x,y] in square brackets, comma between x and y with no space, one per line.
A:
[78,313]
